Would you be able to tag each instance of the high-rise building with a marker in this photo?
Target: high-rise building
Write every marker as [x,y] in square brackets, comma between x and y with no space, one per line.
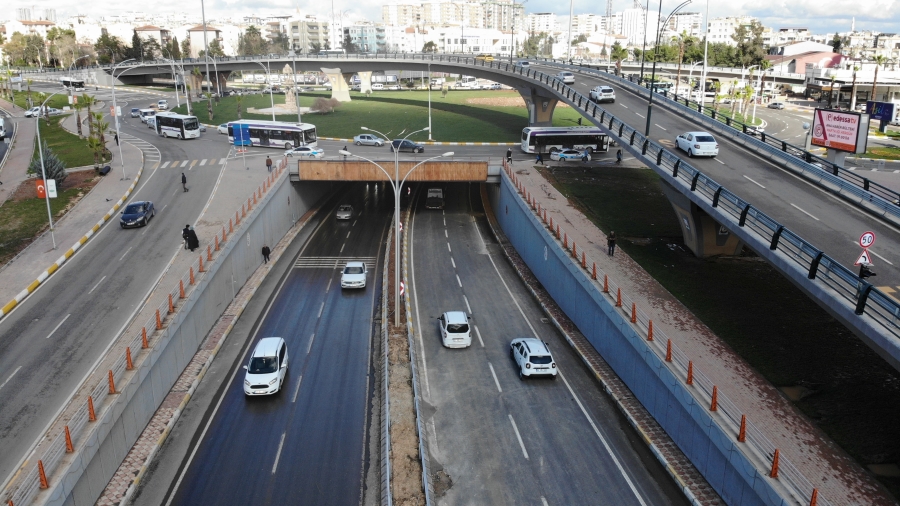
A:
[722,29]
[308,34]
[541,22]
[686,22]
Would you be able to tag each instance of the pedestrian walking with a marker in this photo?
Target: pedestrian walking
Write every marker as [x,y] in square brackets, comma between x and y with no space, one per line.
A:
[184,235]
[611,243]
[540,158]
[265,253]
[183,182]
[269,164]
[116,137]
[619,156]
[192,239]
[508,155]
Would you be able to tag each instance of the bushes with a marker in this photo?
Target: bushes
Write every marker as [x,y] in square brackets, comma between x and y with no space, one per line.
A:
[324,105]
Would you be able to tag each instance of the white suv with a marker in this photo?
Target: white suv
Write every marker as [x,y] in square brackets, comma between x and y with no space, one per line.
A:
[162,105]
[267,368]
[455,331]
[603,94]
[354,275]
[533,357]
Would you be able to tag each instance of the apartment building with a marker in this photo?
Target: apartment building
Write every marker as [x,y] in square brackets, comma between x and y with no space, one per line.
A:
[722,29]
[308,32]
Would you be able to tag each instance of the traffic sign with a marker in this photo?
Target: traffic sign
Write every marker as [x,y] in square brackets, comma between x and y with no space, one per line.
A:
[402,288]
[864,258]
[401,226]
[867,239]
[51,188]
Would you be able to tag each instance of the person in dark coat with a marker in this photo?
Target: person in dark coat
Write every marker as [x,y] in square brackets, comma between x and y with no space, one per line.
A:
[183,182]
[184,235]
[611,243]
[265,253]
[193,240]
[508,155]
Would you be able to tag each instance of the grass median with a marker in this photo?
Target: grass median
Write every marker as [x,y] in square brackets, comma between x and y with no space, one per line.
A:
[837,381]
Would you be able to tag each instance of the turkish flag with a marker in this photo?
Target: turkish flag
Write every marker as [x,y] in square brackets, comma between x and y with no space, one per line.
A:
[41,189]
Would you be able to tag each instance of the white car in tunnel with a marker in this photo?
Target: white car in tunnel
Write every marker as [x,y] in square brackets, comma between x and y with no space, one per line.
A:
[354,275]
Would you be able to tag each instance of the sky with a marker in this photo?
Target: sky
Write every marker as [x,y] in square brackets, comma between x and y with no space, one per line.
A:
[820,16]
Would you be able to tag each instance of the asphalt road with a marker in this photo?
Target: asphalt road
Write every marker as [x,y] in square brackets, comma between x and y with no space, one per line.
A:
[9,127]
[828,222]
[503,440]
[305,444]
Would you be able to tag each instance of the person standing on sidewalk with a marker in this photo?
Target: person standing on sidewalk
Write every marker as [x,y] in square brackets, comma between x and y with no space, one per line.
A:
[508,155]
[184,235]
[611,243]
[265,253]
[269,164]
[192,239]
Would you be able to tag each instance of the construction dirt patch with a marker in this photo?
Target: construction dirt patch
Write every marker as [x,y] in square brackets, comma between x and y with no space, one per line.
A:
[503,102]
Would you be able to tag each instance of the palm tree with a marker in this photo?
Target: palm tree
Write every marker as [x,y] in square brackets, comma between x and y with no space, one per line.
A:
[764,65]
[853,89]
[716,85]
[88,102]
[618,54]
[732,95]
[879,61]
[96,148]
[681,40]
[28,92]
[100,127]
[78,107]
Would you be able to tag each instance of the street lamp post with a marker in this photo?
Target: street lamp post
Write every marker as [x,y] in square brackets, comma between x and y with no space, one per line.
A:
[268,80]
[396,185]
[37,127]
[396,188]
[294,84]
[705,55]
[759,93]
[653,75]
[116,112]
[205,48]
[429,103]
[175,78]
[216,70]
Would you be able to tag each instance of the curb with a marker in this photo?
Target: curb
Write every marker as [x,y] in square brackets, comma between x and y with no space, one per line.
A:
[9,148]
[437,143]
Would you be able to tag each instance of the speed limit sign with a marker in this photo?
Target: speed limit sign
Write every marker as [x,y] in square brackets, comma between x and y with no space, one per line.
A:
[867,239]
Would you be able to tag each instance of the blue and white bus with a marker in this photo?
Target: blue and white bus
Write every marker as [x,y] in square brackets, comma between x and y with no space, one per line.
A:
[169,124]
[550,139]
[272,134]
[71,83]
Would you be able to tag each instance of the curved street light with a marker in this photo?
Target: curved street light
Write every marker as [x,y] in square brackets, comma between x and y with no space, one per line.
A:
[655,48]
[268,80]
[397,185]
[37,127]
[116,110]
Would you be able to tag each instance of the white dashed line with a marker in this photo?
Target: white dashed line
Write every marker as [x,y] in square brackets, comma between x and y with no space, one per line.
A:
[804,212]
[126,252]
[278,455]
[348,235]
[478,333]
[754,182]
[98,284]
[496,382]
[448,248]
[640,115]
[452,262]
[663,128]
[10,377]
[342,247]
[518,436]
[321,308]
[312,337]
[297,390]
[720,161]
[466,299]
[58,326]
[458,281]
[445,233]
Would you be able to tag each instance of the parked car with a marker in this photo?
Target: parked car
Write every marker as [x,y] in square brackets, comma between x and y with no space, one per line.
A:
[455,330]
[602,94]
[566,77]
[698,144]
[570,154]
[532,357]
[222,129]
[306,151]
[406,145]
[34,111]
[495,86]
[53,111]
[267,368]
[368,140]
[137,214]
[485,57]
[776,105]
[344,212]
[354,275]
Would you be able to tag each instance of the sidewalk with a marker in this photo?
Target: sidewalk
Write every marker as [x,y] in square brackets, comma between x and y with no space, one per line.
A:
[17,278]
[15,169]
[838,477]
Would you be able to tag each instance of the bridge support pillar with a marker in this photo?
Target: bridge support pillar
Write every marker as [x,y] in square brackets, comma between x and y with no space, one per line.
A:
[540,105]
[365,81]
[340,84]
[702,234]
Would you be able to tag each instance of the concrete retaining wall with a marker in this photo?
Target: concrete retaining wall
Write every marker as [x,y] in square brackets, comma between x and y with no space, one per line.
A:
[119,427]
[688,423]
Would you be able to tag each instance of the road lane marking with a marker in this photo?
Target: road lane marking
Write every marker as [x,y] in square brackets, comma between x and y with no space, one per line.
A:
[184,163]
[720,161]
[10,377]
[278,455]
[518,436]
[639,114]
[312,337]
[657,125]
[321,308]
[876,254]
[354,222]
[804,212]
[603,441]
[342,248]
[297,390]
[163,166]
[415,294]
[203,162]
[544,501]
[516,302]
[445,220]
[329,284]
[59,325]
[467,304]
[478,333]
[754,182]
[348,234]
[448,248]
[452,262]
[95,286]
[496,381]
[445,233]
[458,281]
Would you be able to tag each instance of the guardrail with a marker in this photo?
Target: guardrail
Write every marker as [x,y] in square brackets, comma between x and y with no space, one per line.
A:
[730,416]
[73,431]
[387,498]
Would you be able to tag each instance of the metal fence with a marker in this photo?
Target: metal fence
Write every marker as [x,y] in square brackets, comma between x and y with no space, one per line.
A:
[726,413]
[387,498]
[67,434]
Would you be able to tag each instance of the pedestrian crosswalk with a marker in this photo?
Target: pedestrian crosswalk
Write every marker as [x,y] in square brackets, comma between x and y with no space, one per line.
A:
[331,262]
[149,151]
[181,164]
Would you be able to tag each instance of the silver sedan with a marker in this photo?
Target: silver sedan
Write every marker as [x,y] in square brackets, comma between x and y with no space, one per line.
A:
[368,140]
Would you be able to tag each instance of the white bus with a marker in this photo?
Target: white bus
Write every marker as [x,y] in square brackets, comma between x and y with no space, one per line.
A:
[169,124]
[70,83]
[550,139]
[272,134]
[331,52]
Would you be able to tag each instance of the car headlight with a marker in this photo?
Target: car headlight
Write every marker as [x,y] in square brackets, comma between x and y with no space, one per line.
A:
[274,380]
[527,366]
[553,365]
[246,383]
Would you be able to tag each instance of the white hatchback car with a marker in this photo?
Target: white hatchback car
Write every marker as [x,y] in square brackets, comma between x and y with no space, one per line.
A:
[354,275]
[532,357]
[344,212]
[455,330]
[267,368]
[698,144]
[566,77]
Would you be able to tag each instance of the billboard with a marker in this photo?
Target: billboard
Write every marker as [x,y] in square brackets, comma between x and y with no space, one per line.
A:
[840,130]
[881,111]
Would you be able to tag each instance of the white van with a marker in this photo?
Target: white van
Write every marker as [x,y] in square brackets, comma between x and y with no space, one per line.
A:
[2,128]
[455,330]
[147,113]
[377,86]
[467,82]
[267,368]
